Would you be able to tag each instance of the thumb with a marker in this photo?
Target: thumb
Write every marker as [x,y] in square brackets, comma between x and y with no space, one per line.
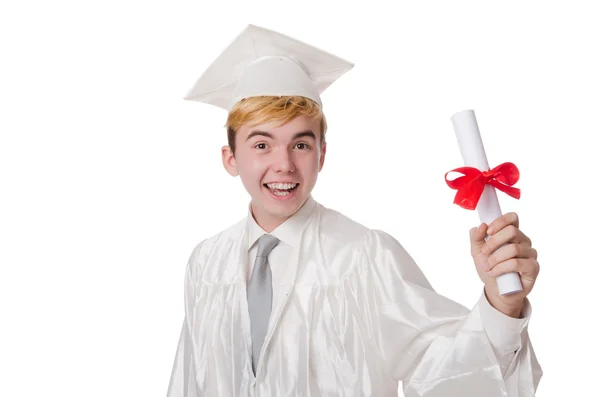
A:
[473,230]
[477,235]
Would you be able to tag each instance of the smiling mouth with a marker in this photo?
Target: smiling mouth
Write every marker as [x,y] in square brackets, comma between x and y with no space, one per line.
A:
[281,192]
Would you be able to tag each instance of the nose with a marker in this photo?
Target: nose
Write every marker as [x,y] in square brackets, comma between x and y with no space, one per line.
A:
[284,161]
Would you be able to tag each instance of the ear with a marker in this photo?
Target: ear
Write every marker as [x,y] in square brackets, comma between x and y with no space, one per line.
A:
[322,159]
[229,161]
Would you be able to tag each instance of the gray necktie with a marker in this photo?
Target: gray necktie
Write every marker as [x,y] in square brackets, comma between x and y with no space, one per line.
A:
[260,295]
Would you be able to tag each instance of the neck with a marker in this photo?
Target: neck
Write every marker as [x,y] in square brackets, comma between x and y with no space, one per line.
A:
[268,224]
[271,225]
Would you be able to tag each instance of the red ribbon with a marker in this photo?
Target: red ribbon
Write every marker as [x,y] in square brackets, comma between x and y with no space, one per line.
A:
[471,185]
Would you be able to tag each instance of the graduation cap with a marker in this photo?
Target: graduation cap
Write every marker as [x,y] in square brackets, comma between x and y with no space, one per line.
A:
[264,62]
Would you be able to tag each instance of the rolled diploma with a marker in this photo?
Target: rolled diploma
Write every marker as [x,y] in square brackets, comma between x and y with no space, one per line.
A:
[473,153]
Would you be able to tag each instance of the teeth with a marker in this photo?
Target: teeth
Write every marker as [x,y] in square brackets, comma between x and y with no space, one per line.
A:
[281,186]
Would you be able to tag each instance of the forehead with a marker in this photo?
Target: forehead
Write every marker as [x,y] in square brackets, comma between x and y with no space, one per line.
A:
[286,131]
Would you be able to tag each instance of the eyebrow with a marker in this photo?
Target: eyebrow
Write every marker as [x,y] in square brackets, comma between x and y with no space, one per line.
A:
[297,135]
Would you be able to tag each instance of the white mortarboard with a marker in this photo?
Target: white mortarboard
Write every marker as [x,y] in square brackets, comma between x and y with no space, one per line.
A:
[263,62]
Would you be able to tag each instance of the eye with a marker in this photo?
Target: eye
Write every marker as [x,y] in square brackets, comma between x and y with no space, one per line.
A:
[260,146]
[305,146]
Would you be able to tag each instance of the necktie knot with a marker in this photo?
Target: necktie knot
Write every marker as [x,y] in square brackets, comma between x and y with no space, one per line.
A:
[265,244]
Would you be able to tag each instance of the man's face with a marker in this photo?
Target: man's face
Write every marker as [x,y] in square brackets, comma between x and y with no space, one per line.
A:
[265,155]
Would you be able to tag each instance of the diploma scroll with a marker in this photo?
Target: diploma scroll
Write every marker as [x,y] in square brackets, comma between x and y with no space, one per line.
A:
[473,153]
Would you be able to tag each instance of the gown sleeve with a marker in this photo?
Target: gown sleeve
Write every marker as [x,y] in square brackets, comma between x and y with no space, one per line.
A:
[183,381]
[435,346]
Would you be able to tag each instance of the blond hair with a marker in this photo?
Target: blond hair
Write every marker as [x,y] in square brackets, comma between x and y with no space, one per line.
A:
[268,109]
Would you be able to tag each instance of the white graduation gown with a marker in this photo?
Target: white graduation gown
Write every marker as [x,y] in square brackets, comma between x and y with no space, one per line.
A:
[352,315]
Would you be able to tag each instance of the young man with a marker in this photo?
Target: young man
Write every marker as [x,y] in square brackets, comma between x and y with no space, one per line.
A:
[299,300]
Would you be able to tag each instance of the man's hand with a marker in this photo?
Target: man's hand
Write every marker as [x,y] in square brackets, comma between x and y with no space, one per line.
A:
[493,258]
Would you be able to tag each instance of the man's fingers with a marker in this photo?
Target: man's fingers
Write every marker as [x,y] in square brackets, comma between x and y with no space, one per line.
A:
[509,251]
[510,234]
[503,221]
[527,267]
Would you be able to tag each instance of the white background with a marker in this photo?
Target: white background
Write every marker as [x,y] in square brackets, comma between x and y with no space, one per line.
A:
[109,178]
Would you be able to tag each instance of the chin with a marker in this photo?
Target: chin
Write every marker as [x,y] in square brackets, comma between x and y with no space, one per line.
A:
[284,209]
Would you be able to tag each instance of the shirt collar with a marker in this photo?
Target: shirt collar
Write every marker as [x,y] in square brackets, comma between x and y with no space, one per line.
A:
[289,231]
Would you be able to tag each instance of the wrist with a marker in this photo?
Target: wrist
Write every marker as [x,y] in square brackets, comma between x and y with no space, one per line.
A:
[511,310]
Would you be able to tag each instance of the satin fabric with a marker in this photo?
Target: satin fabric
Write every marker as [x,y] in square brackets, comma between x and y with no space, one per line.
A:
[355,316]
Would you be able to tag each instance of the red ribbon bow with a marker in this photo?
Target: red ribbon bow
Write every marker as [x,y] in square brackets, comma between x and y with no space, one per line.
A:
[471,185]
